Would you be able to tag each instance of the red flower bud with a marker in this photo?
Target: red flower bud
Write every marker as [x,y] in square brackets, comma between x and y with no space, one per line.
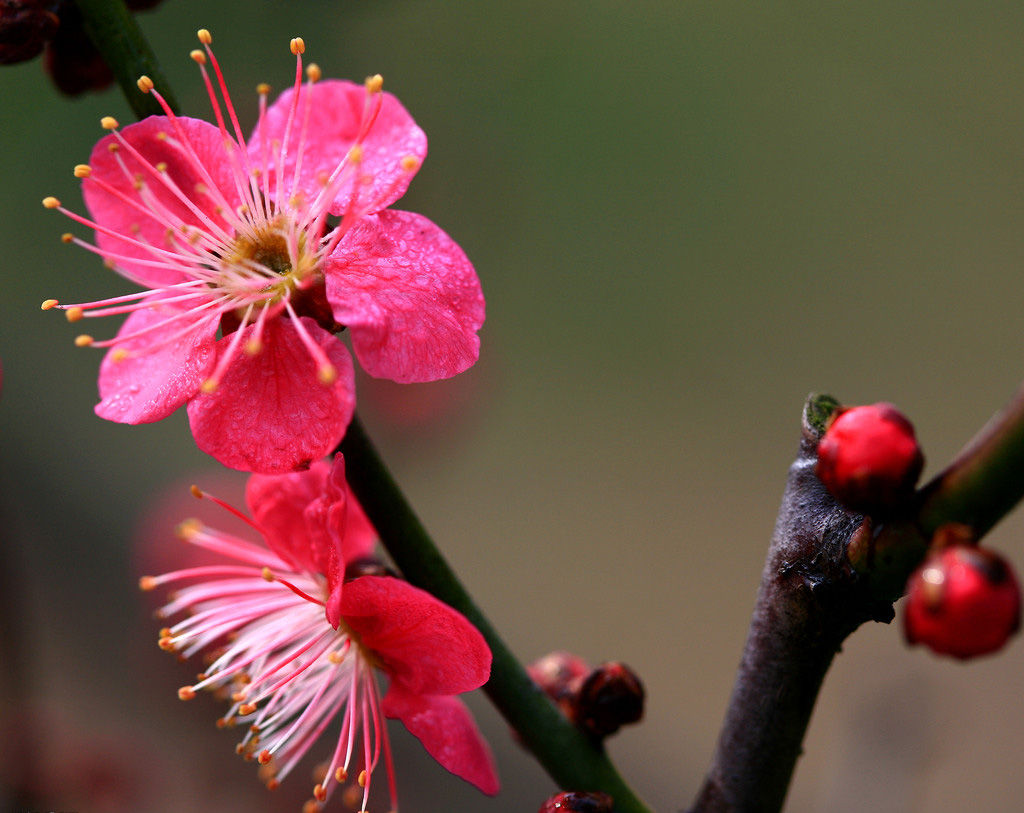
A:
[578,802]
[963,601]
[25,26]
[560,674]
[612,696]
[869,459]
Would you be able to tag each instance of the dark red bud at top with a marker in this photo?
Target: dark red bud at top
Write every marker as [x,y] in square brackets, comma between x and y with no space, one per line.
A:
[611,696]
[560,674]
[869,459]
[25,26]
[962,601]
[578,802]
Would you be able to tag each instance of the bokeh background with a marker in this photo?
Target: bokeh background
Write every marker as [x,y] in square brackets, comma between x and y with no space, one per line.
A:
[686,216]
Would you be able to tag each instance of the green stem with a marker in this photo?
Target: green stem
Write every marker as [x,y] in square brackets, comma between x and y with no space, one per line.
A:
[564,752]
[119,39]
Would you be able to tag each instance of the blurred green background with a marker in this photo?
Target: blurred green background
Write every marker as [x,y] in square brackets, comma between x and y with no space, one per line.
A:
[686,216]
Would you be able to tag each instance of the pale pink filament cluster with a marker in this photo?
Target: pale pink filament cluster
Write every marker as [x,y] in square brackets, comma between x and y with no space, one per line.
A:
[252,258]
[287,672]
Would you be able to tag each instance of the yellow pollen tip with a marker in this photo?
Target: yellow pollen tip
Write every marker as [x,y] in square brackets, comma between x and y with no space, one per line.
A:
[336,658]
[49,304]
[144,83]
[67,237]
[273,783]
[118,354]
[247,708]
[362,779]
[187,529]
[340,775]
[196,491]
[320,792]
[51,202]
[253,347]
[204,36]
[267,575]
[109,123]
[186,693]
[82,170]
[355,154]
[297,46]
[161,167]
[73,314]
[209,385]
[147,583]
[410,163]
[263,88]
[84,340]
[313,72]
[197,56]
[327,374]
[374,83]
[264,757]
[166,643]
[238,697]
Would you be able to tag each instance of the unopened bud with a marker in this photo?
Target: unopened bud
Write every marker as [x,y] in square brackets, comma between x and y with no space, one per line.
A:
[611,696]
[869,459]
[560,674]
[963,601]
[578,802]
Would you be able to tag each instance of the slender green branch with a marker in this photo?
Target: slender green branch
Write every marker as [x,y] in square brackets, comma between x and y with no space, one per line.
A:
[117,36]
[566,754]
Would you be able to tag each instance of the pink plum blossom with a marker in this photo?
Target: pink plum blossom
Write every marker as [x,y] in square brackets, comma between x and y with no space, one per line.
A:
[253,254]
[295,646]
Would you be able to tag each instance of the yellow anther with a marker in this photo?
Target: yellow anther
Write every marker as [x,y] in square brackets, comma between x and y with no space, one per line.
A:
[273,783]
[161,136]
[264,757]
[51,202]
[118,354]
[253,346]
[210,385]
[67,237]
[49,304]
[374,83]
[145,84]
[161,167]
[74,314]
[327,374]
[320,793]
[355,154]
[336,658]
[267,575]
[196,491]
[204,36]
[189,528]
[313,72]
[147,583]
[238,697]
[247,708]
[297,46]
[410,163]
[263,88]
[166,643]
[340,774]
[186,693]
[83,340]
[109,123]
[362,779]
[82,170]
[198,56]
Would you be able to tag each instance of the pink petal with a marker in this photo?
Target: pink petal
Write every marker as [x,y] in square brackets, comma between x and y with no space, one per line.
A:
[335,116]
[409,295]
[270,413]
[423,644]
[147,226]
[157,376]
[448,732]
[278,502]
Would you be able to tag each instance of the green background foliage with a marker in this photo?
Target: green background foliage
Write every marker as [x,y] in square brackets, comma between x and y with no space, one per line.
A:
[686,216]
